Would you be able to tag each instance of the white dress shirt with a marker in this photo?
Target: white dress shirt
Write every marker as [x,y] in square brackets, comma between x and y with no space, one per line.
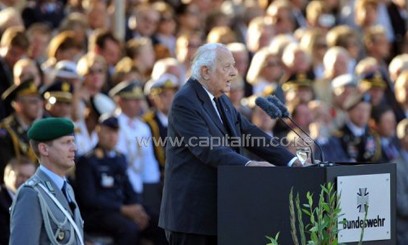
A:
[84,141]
[135,141]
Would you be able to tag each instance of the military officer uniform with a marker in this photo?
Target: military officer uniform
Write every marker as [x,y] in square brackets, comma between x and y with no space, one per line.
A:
[13,141]
[157,120]
[85,140]
[44,210]
[103,187]
[13,134]
[135,140]
[58,99]
[34,212]
[359,144]
[363,148]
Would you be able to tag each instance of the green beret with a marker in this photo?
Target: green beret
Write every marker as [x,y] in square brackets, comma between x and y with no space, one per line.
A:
[50,128]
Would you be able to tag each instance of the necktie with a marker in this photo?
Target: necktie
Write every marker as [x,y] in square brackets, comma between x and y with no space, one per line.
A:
[65,192]
[219,109]
[222,114]
[391,151]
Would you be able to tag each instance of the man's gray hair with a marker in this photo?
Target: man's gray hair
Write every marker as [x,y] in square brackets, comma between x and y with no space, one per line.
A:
[206,55]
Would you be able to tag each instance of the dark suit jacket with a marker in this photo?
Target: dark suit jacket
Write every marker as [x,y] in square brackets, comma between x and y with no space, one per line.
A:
[398,25]
[189,201]
[402,196]
[6,80]
[5,203]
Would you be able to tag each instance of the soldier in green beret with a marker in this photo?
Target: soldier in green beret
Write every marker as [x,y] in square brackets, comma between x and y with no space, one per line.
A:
[44,209]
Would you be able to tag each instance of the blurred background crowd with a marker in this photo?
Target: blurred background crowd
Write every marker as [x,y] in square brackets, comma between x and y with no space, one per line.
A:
[340,66]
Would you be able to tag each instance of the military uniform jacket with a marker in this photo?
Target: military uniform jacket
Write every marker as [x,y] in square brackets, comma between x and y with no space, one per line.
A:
[158,131]
[36,219]
[102,184]
[13,141]
[366,148]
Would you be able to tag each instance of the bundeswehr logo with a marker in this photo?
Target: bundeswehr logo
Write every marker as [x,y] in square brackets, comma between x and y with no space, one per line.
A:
[362,200]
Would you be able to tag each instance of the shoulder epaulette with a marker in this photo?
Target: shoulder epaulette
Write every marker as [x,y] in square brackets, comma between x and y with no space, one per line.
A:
[32,182]
[338,133]
[148,116]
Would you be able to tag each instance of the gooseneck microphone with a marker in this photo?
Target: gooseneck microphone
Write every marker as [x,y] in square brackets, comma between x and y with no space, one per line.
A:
[268,107]
[285,114]
[274,112]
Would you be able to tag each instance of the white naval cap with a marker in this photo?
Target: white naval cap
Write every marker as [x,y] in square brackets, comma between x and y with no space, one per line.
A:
[66,69]
[165,81]
[344,80]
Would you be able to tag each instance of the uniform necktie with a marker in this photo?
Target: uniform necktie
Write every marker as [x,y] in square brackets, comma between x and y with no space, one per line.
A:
[65,192]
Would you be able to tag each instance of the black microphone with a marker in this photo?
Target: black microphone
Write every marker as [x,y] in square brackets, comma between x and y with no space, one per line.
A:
[269,108]
[274,100]
[285,114]
[273,111]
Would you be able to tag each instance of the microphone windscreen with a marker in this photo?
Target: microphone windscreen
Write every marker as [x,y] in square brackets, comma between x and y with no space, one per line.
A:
[268,107]
[274,100]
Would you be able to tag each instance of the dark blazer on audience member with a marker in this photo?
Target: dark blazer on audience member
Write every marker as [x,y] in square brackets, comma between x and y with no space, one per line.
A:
[5,203]
[189,203]
[402,196]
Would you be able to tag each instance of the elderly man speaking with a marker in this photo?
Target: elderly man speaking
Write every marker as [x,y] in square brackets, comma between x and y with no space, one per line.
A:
[205,131]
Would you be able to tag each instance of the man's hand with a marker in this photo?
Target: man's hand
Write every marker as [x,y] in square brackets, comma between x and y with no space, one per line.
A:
[298,164]
[259,164]
[137,213]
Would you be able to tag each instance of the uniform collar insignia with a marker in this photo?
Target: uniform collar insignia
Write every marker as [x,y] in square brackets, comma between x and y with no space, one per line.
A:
[49,186]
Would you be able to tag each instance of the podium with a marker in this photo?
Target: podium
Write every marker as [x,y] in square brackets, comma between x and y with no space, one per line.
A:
[253,202]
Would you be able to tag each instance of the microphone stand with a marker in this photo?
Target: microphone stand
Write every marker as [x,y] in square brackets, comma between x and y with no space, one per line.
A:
[285,114]
[322,162]
[311,150]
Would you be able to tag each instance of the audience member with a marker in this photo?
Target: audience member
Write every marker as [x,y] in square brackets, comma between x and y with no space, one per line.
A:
[17,171]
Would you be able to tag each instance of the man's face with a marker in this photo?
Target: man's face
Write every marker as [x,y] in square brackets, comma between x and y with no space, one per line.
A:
[360,114]
[387,124]
[108,137]
[15,178]
[164,100]
[147,22]
[13,54]
[377,95]
[131,107]
[59,109]
[220,77]
[61,153]
[111,52]
[30,106]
